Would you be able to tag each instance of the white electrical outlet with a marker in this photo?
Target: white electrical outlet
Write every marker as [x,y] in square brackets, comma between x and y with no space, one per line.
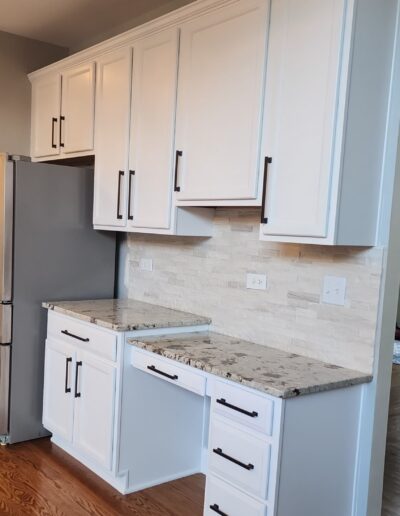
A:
[334,290]
[146,264]
[256,281]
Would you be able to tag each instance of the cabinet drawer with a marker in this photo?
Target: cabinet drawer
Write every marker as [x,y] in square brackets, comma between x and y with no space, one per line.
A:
[239,457]
[227,500]
[168,371]
[244,407]
[85,336]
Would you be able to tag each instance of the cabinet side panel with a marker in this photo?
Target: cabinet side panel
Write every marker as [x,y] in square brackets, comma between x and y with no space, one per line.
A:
[319,451]
[366,121]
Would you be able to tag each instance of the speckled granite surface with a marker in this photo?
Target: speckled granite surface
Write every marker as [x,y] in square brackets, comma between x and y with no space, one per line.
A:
[275,372]
[126,314]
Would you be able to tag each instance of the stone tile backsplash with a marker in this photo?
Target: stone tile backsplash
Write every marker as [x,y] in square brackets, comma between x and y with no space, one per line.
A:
[207,276]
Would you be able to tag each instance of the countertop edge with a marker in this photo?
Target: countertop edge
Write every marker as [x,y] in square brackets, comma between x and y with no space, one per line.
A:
[200,321]
[288,393]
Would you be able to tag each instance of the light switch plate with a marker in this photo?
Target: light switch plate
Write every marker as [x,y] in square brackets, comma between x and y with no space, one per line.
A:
[256,281]
[334,290]
[146,264]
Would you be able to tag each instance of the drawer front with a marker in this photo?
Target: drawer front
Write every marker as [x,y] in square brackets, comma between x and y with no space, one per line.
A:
[222,499]
[168,371]
[83,335]
[239,457]
[244,407]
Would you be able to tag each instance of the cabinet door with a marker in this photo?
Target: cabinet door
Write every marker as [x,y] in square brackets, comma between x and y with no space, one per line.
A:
[222,61]
[77,112]
[94,408]
[58,401]
[155,66]
[304,56]
[112,138]
[46,104]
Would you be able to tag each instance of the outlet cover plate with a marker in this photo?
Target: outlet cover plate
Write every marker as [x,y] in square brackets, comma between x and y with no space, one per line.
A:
[256,281]
[334,290]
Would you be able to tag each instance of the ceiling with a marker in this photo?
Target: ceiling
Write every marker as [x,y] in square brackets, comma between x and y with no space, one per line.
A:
[76,24]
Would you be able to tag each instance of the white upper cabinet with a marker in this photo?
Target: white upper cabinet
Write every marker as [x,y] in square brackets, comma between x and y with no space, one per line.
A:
[304,54]
[77,109]
[63,113]
[45,124]
[324,116]
[112,138]
[221,76]
[155,67]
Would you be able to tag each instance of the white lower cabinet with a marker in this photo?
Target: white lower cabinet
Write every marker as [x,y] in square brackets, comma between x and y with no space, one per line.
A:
[240,457]
[138,420]
[94,408]
[80,390]
[223,499]
[58,400]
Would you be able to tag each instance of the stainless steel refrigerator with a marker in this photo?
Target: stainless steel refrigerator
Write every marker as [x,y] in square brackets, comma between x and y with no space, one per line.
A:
[48,251]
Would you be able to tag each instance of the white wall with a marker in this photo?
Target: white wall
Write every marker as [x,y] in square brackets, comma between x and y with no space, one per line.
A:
[208,277]
[19,56]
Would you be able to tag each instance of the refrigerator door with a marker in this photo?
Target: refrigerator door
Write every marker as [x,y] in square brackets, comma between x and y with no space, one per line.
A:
[6,227]
[5,352]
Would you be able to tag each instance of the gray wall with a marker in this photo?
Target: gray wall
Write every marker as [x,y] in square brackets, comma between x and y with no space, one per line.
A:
[18,57]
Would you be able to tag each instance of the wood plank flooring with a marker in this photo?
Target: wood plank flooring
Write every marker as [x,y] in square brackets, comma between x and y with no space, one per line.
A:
[37,478]
[391,487]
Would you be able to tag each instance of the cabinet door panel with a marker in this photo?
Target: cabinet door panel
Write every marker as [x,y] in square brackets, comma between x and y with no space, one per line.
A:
[46,104]
[222,60]
[94,409]
[78,109]
[58,405]
[304,56]
[112,138]
[155,67]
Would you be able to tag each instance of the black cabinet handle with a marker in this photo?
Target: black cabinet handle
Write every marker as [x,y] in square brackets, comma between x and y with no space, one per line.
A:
[53,123]
[131,173]
[66,332]
[238,409]
[78,365]
[264,219]
[219,452]
[216,509]
[67,362]
[62,119]
[121,174]
[178,155]
[155,370]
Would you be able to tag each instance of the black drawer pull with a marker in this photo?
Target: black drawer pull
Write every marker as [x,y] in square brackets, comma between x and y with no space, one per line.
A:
[238,409]
[219,452]
[67,362]
[131,173]
[178,155]
[216,509]
[264,219]
[68,334]
[78,365]
[62,119]
[155,370]
[121,174]
[53,122]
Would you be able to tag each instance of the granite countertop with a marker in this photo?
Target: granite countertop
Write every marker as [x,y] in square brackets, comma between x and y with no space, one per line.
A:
[125,314]
[275,372]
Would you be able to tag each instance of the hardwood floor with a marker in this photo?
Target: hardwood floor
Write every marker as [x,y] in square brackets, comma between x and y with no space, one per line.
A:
[37,478]
[391,488]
